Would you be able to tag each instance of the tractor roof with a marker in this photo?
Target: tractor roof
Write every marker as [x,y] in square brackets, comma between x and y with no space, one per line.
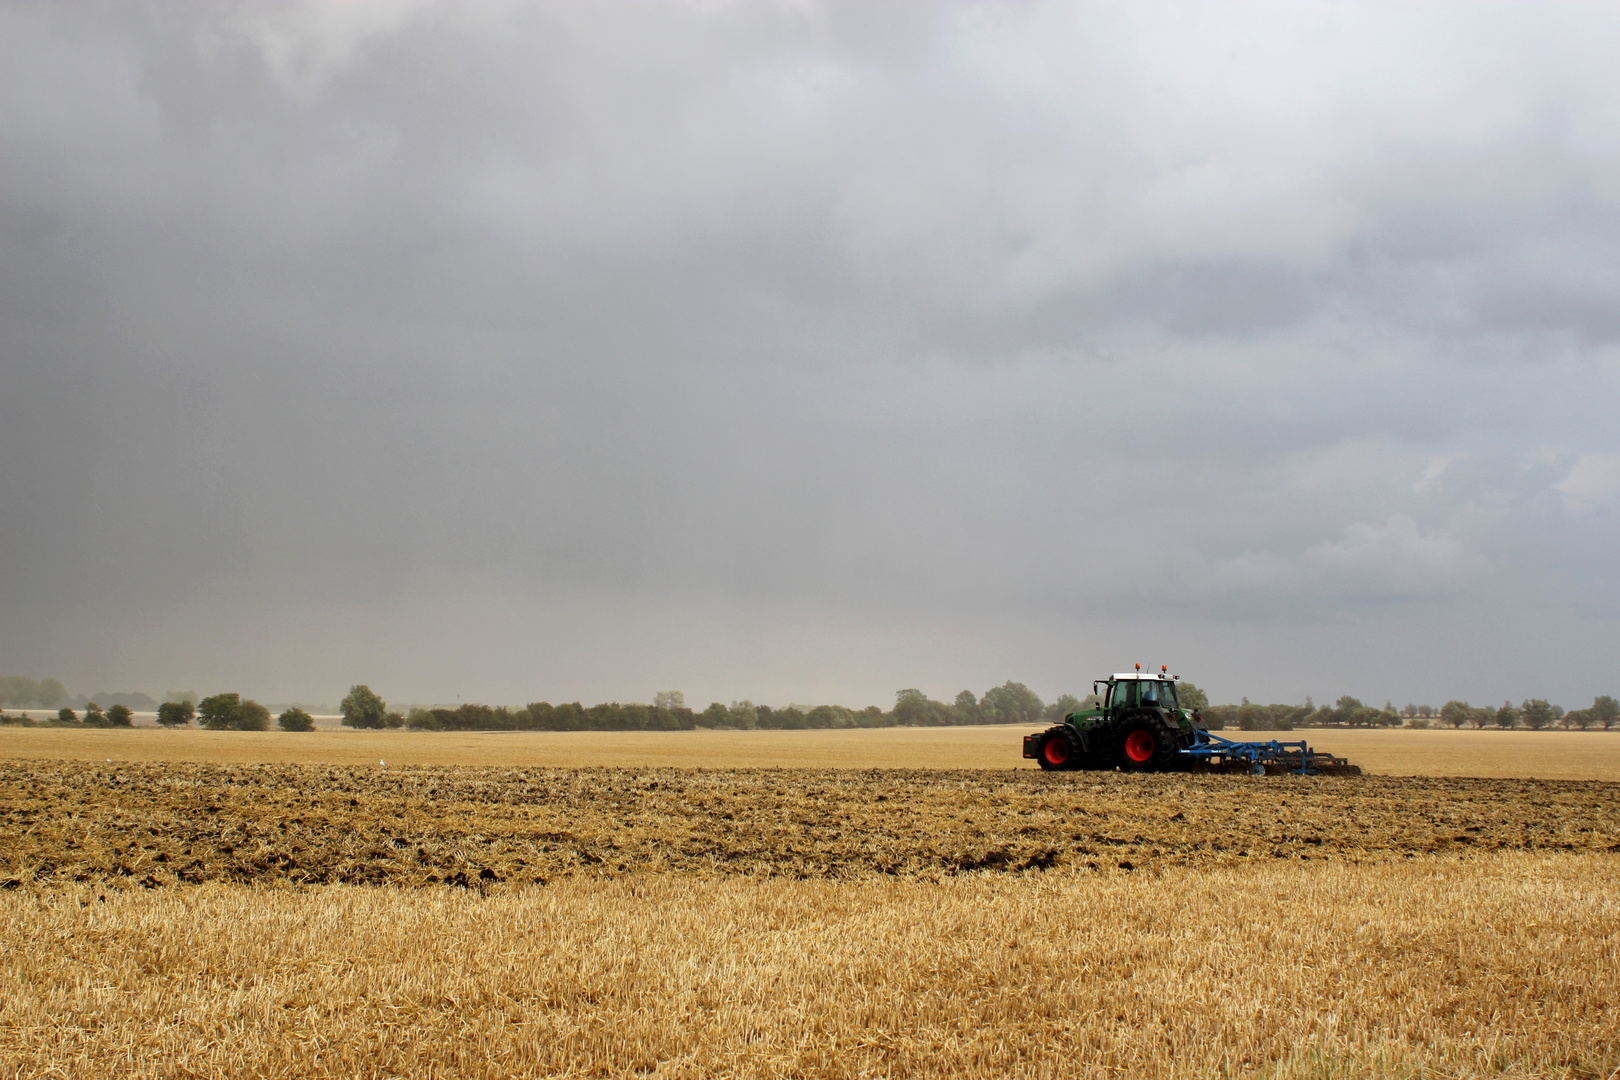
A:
[1125,675]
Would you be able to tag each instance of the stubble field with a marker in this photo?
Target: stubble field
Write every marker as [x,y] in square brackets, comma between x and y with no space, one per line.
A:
[1545,755]
[300,918]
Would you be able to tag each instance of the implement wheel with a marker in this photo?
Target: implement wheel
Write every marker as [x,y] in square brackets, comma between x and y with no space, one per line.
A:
[1145,744]
[1057,753]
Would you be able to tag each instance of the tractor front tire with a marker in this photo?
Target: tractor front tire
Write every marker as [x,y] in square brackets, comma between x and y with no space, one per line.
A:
[1057,753]
[1145,743]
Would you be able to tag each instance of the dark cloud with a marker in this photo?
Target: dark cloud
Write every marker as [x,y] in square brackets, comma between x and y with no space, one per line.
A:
[802,351]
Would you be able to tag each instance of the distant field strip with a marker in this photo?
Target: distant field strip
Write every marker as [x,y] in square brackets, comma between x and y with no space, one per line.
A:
[1506,965]
[159,825]
[1546,755]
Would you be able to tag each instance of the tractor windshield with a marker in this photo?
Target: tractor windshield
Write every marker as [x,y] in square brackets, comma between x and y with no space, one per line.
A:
[1162,694]
[1123,695]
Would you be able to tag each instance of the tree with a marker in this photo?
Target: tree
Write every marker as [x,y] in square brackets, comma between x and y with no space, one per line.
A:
[1062,707]
[743,714]
[1351,712]
[1536,714]
[120,716]
[1425,710]
[1507,716]
[790,718]
[364,709]
[295,719]
[669,699]
[218,713]
[251,716]
[93,716]
[910,707]
[716,715]
[1576,719]
[967,708]
[1606,711]
[65,715]
[1191,697]
[1011,703]
[173,714]
[1482,716]
[1455,714]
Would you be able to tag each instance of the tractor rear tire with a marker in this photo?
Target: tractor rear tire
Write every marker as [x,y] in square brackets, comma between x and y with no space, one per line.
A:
[1145,743]
[1058,753]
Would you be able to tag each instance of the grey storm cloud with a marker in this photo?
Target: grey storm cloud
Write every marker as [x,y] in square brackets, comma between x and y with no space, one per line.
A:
[805,351]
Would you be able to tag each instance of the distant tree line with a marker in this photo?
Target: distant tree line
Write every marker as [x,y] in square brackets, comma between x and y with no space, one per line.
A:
[1012,702]
[116,715]
[1532,713]
[1009,703]
[21,692]
[24,693]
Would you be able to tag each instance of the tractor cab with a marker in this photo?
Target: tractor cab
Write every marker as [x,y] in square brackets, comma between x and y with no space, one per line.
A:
[1128,690]
[1137,691]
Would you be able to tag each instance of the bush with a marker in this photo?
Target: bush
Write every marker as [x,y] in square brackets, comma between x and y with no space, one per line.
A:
[251,716]
[1419,723]
[218,713]
[295,719]
[65,715]
[94,717]
[173,714]
[120,716]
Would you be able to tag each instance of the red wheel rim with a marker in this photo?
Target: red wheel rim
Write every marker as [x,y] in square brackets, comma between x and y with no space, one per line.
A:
[1056,750]
[1139,745]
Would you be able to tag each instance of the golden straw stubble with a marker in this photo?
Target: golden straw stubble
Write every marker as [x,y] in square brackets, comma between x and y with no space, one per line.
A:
[1503,965]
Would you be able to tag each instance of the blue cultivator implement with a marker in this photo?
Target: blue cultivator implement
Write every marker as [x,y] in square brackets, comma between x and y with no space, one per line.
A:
[1259,758]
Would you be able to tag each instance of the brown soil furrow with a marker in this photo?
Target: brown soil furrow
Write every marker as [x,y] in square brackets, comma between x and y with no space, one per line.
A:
[162,824]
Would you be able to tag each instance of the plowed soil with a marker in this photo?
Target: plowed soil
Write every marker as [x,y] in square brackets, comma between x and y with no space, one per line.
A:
[161,825]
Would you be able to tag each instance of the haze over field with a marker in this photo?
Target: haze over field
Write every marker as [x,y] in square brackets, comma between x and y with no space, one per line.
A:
[799,352]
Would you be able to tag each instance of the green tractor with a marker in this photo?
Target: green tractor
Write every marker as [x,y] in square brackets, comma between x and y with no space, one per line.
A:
[1139,727]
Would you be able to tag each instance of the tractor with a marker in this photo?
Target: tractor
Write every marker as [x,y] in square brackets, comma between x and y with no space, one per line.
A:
[1140,726]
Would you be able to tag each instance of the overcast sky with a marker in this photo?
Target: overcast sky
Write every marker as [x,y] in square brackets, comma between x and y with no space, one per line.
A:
[801,352]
